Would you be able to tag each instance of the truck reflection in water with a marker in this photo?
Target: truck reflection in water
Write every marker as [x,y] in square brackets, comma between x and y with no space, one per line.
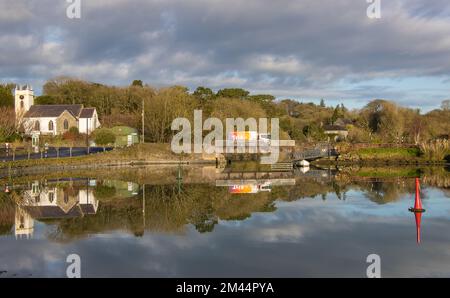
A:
[253,186]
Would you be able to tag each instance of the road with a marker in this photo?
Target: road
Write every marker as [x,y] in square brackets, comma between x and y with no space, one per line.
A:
[51,153]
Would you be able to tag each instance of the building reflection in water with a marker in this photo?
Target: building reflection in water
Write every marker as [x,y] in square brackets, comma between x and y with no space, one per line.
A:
[57,201]
[253,186]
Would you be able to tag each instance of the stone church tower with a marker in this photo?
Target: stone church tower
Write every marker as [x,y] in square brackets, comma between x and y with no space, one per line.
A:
[24,99]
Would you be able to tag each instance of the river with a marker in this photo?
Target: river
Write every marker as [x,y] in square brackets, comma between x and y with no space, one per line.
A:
[236,222]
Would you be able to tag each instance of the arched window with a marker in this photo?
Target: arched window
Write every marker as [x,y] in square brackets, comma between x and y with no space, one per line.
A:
[51,197]
[66,197]
[37,125]
[22,104]
[66,124]
[50,125]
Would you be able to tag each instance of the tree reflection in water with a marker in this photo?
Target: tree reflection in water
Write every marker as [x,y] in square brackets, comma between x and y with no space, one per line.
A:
[166,209]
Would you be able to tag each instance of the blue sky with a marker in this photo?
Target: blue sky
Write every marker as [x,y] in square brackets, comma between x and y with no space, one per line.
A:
[299,49]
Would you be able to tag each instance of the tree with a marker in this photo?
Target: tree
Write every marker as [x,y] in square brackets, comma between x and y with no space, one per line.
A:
[322,103]
[103,137]
[45,100]
[6,95]
[262,98]
[162,108]
[137,83]
[384,118]
[313,132]
[336,114]
[446,105]
[8,125]
[203,93]
[233,93]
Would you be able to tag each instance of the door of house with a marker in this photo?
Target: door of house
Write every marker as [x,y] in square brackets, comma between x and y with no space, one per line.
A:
[35,141]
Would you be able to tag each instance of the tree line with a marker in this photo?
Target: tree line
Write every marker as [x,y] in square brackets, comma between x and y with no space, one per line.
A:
[379,121]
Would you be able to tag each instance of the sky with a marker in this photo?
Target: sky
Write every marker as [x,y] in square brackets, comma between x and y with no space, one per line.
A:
[299,49]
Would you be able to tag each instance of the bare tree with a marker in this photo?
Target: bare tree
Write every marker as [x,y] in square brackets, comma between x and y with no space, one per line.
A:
[8,126]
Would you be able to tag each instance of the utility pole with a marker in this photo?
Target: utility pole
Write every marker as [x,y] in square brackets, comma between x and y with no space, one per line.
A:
[143,206]
[87,135]
[143,119]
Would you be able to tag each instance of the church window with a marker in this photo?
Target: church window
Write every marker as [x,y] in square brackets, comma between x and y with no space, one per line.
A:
[51,197]
[37,125]
[66,124]
[50,125]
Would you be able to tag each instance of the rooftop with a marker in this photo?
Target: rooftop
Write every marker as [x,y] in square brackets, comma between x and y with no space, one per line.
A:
[52,110]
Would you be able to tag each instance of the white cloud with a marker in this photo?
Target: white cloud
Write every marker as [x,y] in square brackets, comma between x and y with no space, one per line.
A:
[307,48]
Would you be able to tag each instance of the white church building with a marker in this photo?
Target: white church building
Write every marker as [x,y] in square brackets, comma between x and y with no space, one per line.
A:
[52,119]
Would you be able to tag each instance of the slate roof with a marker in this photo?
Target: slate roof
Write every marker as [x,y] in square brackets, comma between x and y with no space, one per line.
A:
[52,110]
[88,209]
[42,212]
[87,113]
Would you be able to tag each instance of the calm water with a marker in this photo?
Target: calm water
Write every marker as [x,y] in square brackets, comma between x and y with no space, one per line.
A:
[204,222]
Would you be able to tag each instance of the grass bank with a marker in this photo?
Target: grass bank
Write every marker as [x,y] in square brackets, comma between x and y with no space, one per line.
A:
[138,154]
[383,156]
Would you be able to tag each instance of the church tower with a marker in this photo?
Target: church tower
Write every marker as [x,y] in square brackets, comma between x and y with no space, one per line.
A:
[24,224]
[24,99]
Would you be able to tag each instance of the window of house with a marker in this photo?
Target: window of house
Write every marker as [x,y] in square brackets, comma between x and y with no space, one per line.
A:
[66,124]
[37,125]
[51,197]
[50,125]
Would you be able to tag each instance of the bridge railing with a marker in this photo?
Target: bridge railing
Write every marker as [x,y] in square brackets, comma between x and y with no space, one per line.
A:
[314,154]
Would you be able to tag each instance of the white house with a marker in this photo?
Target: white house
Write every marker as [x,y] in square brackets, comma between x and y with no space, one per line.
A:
[52,119]
[51,202]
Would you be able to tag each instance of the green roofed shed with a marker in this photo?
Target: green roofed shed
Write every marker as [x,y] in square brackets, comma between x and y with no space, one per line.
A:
[125,135]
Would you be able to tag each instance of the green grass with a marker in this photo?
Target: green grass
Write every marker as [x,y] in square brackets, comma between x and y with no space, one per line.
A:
[388,153]
[391,172]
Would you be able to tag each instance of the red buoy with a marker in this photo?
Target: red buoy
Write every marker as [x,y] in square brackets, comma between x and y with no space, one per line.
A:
[417,209]
[418,216]
[418,201]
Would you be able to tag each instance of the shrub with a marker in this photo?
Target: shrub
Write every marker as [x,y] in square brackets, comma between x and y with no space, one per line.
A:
[104,137]
[435,150]
[74,130]
[104,192]
[72,134]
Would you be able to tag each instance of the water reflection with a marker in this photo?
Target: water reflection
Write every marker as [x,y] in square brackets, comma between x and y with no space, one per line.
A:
[260,211]
[52,201]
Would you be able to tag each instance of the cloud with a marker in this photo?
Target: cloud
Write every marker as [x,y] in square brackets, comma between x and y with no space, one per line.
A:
[302,49]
